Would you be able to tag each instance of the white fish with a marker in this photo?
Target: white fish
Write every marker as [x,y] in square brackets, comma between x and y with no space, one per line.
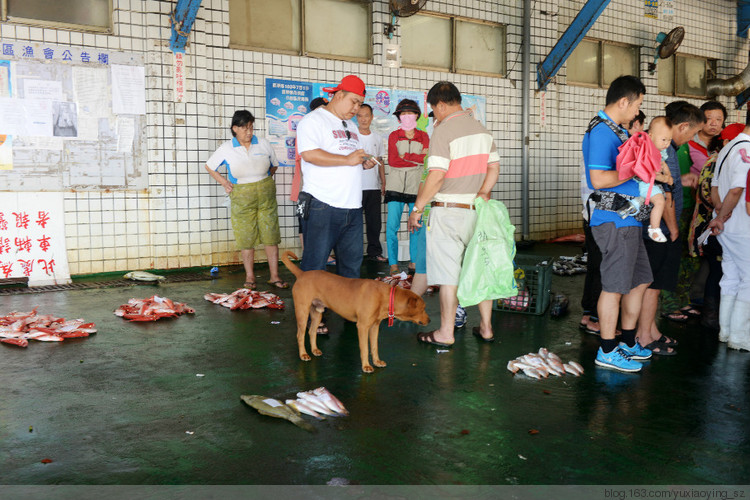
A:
[315,404]
[576,366]
[143,276]
[49,338]
[513,366]
[532,372]
[571,369]
[330,400]
[301,407]
[554,357]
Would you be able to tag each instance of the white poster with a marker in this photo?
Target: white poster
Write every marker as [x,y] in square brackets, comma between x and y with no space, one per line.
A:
[128,90]
[92,96]
[25,117]
[43,89]
[32,238]
[125,134]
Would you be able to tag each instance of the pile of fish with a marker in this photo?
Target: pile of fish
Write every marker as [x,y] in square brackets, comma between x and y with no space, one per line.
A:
[244,298]
[152,309]
[314,403]
[317,403]
[568,266]
[17,328]
[543,363]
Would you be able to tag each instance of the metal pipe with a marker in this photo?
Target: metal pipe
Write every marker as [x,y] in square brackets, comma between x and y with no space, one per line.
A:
[525,70]
[730,86]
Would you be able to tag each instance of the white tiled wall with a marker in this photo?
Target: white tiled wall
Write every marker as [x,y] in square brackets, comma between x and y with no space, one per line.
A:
[180,220]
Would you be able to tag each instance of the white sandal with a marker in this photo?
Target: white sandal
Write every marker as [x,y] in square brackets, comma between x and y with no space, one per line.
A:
[656,235]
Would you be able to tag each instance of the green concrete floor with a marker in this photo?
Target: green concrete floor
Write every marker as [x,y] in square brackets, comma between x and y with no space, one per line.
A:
[116,408]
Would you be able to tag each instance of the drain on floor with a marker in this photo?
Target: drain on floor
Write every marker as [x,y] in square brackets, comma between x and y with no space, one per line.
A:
[119,283]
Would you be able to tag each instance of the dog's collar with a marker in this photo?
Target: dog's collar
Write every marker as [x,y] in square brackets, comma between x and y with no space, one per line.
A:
[391,305]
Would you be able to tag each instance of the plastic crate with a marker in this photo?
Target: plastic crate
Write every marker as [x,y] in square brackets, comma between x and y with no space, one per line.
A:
[533,276]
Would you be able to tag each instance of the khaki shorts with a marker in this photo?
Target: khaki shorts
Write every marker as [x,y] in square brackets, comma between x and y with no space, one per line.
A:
[625,263]
[448,233]
[255,217]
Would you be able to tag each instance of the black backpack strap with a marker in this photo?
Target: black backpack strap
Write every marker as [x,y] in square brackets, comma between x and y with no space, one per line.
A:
[718,167]
[619,132]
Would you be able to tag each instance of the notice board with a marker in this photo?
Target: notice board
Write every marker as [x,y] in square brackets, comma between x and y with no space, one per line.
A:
[71,119]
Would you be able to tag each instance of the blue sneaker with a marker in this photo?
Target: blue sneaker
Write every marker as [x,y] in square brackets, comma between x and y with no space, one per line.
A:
[636,352]
[617,360]
[460,317]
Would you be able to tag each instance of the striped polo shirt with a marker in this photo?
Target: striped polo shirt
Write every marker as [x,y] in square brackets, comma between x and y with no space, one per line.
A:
[463,148]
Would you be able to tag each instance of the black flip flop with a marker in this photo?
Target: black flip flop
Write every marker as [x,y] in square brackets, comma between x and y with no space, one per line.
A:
[475,332]
[429,338]
[663,349]
[586,329]
[675,316]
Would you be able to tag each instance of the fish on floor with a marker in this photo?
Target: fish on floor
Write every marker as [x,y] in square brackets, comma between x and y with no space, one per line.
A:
[17,328]
[275,408]
[152,309]
[244,298]
[543,363]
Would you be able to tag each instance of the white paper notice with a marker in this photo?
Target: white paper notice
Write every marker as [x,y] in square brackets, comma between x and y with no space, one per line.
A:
[92,96]
[25,117]
[128,90]
[125,134]
[90,87]
[43,89]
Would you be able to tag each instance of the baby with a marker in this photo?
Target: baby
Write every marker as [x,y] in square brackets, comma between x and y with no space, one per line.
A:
[640,158]
[660,132]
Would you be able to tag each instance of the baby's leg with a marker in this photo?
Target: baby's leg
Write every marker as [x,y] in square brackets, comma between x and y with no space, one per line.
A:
[657,212]
[654,229]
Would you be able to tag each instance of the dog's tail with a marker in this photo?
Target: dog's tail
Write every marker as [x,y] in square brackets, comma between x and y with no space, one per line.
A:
[289,264]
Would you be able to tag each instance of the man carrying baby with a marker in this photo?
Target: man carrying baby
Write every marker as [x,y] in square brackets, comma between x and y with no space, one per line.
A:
[625,271]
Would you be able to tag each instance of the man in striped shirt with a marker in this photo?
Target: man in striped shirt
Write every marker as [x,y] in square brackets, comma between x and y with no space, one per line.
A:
[463,164]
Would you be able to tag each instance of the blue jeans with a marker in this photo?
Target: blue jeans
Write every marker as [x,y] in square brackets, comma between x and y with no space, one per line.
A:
[393,224]
[339,229]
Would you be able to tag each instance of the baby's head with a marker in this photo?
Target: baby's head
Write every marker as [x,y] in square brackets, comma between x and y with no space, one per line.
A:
[660,131]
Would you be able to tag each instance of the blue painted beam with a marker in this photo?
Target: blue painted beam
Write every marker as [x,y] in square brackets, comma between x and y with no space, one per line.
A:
[743,97]
[743,17]
[568,41]
[183,17]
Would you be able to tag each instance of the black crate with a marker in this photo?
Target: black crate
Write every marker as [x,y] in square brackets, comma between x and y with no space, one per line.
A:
[534,277]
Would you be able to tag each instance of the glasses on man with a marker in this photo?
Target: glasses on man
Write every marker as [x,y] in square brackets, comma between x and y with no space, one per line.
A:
[348,134]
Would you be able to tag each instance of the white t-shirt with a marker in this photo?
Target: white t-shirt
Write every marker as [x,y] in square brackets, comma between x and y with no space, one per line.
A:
[733,174]
[340,187]
[373,145]
[244,166]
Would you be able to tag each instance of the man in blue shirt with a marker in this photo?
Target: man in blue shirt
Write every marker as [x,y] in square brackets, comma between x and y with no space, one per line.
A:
[625,270]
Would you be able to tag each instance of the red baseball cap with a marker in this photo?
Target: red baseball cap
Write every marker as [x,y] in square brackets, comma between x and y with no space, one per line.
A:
[350,83]
[731,131]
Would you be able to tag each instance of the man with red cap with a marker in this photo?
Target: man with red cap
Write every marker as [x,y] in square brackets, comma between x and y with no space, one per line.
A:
[332,163]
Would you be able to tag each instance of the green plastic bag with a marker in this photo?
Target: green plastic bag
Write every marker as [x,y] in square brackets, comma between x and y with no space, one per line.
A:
[487,270]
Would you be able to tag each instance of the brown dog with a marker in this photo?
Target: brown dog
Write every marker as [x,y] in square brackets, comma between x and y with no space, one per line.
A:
[365,302]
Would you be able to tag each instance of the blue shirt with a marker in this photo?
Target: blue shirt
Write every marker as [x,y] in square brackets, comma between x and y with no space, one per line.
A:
[600,150]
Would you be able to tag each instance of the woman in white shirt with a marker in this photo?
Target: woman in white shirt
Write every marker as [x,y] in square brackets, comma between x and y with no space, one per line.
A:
[250,163]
